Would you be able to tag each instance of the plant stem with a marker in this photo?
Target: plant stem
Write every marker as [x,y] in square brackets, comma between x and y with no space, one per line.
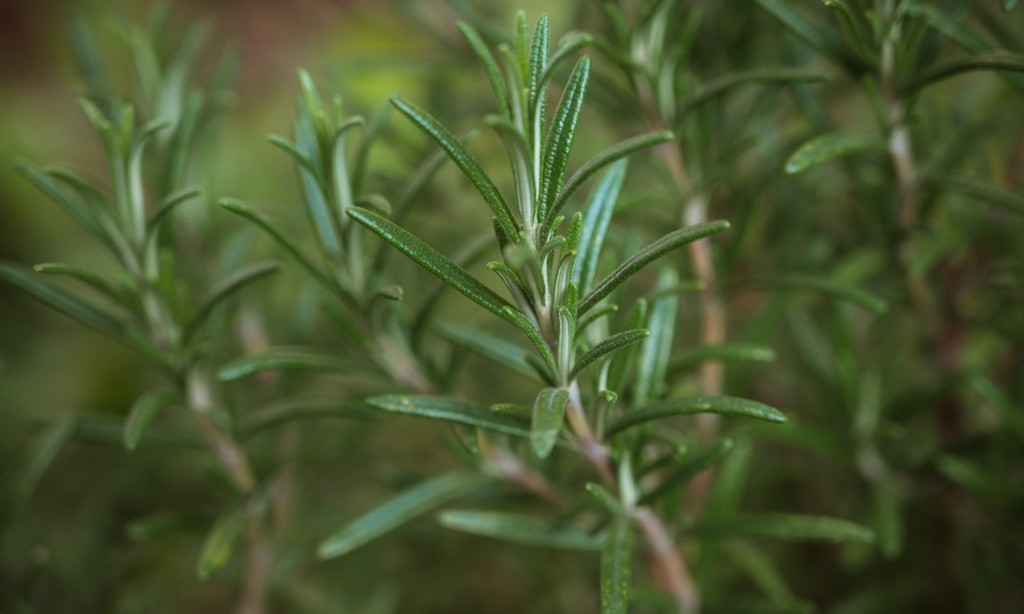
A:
[669,568]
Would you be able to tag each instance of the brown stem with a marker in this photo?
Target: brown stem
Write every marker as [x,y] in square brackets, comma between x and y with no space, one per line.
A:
[669,569]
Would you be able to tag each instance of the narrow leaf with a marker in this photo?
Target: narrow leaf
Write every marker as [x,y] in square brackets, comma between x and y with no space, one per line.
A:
[287,359]
[690,467]
[43,451]
[596,221]
[524,324]
[220,544]
[836,288]
[723,352]
[999,60]
[68,201]
[65,302]
[611,344]
[781,526]
[548,414]
[464,160]
[649,254]
[87,277]
[490,67]
[521,529]
[603,159]
[617,567]
[1010,199]
[452,410]
[724,84]
[301,408]
[829,146]
[142,413]
[490,346]
[729,406]
[269,227]
[560,138]
[227,288]
[430,259]
[387,517]
[653,355]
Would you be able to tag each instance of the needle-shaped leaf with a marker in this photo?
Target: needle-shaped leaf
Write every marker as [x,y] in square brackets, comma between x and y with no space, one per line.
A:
[430,259]
[142,413]
[524,324]
[43,451]
[65,302]
[68,201]
[652,252]
[724,352]
[736,79]
[558,145]
[479,47]
[89,278]
[830,146]
[220,544]
[227,288]
[617,567]
[395,512]
[240,209]
[728,406]
[168,204]
[464,160]
[548,414]
[830,286]
[688,468]
[1010,199]
[452,410]
[287,359]
[301,408]
[603,159]
[596,220]
[521,529]
[490,346]
[999,60]
[781,526]
[608,346]
[652,358]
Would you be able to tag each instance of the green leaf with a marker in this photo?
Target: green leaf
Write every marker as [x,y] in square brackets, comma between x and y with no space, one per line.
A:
[596,221]
[430,259]
[387,517]
[649,254]
[617,567]
[220,544]
[169,204]
[691,466]
[65,302]
[561,134]
[227,288]
[548,414]
[452,410]
[68,201]
[611,344]
[89,278]
[142,413]
[521,529]
[1008,198]
[238,208]
[999,60]
[724,84]
[490,346]
[653,355]
[612,154]
[524,324]
[781,526]
[301,408]
[464,160]
[490,67]
[829,146]
[43,451]
[723,352]
[836,288]
[728,406]
[287,359]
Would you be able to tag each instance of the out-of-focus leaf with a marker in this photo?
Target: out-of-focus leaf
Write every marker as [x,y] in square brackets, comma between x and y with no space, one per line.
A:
[521,529]
[691,466]
[736,79]
[598,216]
[430,259]
[287,359]
[652,358]
[831,286]
[977,480]
[724,352]
[301,408]
[226,288]
[652,252]
[999,60]
[68,201]
[617,567]
[1010,199]
[548,414]
[395,512]
[464,160]
[42,453]
[65,302]
[89,278]
[490,67]
[606,157]
[142,413]
[495,348]
[830,146]
[781,526]
[453,411]
[728,406]
[220,544]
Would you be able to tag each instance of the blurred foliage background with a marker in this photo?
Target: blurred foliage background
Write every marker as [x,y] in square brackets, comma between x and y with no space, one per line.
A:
[916,432]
